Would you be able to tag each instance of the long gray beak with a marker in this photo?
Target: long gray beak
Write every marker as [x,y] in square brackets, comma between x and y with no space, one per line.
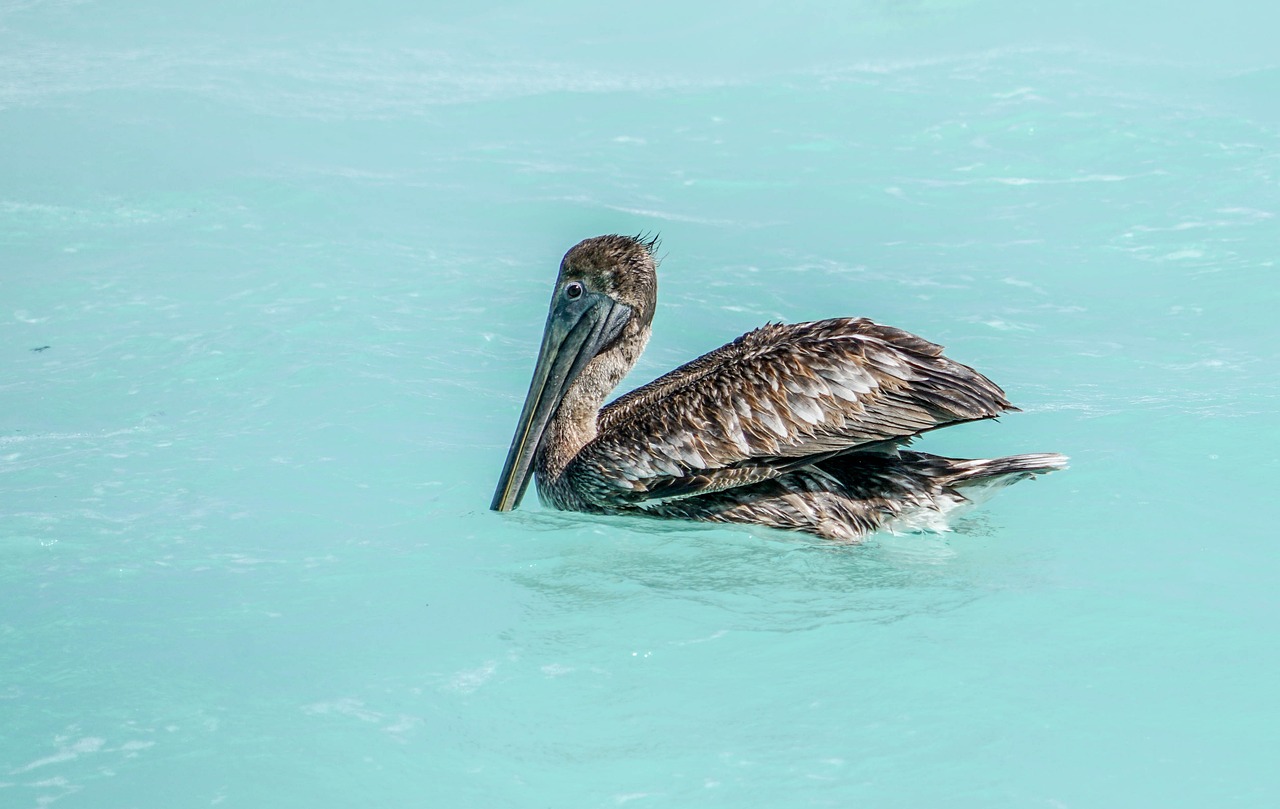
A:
[577,330]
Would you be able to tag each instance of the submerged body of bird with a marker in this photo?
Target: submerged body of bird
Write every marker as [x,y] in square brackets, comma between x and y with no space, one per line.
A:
[791,426]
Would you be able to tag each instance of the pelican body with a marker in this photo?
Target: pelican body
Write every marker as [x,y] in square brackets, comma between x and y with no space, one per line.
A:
[798,427]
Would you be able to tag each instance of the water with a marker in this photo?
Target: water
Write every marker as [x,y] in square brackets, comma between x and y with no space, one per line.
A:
[271,281]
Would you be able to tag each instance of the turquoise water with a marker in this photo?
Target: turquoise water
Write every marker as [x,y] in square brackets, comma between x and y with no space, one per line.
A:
[271,283]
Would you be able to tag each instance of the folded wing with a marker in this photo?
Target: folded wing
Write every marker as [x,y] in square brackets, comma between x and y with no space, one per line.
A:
[774,400]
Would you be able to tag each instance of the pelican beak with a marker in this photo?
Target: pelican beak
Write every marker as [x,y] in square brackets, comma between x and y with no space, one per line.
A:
[577,330]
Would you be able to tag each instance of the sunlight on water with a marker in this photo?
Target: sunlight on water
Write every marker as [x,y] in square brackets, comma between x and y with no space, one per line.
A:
[271,285]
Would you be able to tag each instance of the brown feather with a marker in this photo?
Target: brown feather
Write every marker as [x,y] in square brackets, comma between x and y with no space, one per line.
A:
[746,411]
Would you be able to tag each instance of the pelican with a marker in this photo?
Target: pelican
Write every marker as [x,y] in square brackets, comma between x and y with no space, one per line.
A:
[799,427]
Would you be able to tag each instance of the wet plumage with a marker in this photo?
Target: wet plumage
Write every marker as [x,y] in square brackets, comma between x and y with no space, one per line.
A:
[793,426]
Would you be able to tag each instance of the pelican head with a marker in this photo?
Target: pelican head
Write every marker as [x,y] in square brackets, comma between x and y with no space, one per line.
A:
[601,308]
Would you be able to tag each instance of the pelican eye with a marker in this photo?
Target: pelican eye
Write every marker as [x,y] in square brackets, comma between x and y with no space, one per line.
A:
[573,290]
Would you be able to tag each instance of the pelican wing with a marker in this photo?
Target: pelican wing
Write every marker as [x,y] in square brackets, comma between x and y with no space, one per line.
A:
[776,399]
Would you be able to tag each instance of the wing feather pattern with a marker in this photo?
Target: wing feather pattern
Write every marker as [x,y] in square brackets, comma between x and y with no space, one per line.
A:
[777,399]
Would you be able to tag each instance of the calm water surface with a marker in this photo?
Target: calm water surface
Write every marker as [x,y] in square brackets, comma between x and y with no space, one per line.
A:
[271,282]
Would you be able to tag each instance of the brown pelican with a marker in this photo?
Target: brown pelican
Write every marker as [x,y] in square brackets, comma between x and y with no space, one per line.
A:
[790,426]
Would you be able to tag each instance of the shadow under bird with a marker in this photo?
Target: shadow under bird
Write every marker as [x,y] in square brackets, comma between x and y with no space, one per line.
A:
[800,427]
